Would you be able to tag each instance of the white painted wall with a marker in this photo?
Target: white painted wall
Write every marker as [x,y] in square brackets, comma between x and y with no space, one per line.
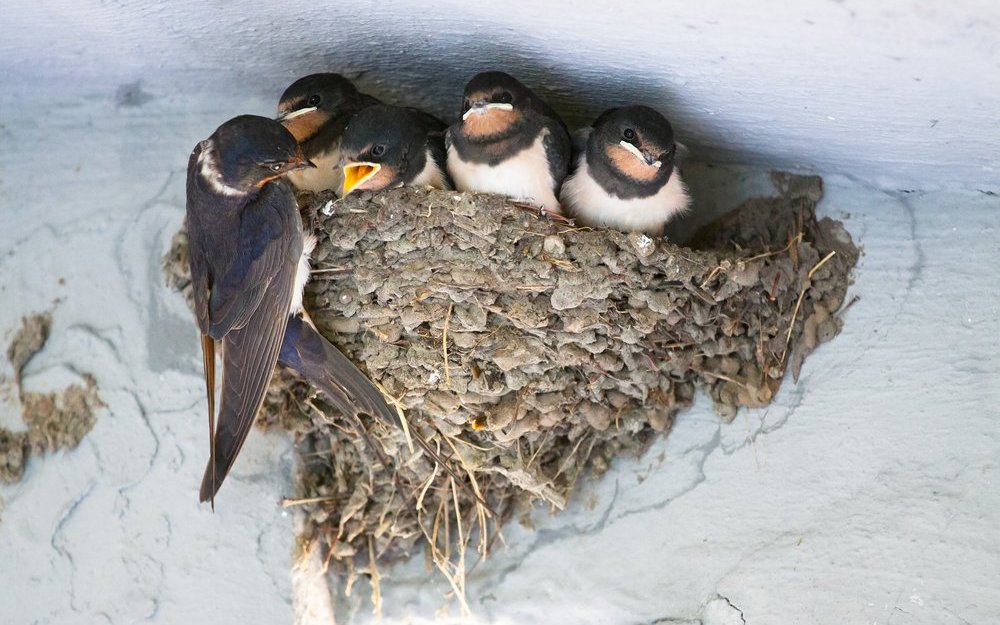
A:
[902,93]
[867,493]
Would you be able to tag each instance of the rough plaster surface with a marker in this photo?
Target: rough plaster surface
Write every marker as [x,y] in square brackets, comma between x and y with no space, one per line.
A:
[899,92]
[867,494]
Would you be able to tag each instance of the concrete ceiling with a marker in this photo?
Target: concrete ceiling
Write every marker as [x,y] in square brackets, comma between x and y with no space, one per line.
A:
[900,93]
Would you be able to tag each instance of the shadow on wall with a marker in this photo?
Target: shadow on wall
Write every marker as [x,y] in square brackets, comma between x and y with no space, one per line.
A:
[432,77]
[434,82]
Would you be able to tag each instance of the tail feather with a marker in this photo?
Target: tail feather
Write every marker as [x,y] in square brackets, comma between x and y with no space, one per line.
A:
[248,357]
[307,352]
[313,357]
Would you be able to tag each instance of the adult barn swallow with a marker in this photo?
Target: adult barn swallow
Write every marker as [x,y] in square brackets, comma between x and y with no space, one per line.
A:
[245,240]
[249,264]
[626,174]
[389,146]
[315,109]
[509,142]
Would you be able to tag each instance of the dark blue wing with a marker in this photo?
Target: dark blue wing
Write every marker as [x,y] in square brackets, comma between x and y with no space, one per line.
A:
[248,309]
[557,151]
[269,235]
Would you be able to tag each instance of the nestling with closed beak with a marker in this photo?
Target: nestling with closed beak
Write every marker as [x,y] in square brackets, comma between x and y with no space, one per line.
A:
[508,142]
[626,175]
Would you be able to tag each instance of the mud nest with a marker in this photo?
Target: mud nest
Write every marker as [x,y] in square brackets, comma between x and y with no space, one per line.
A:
[54,420]
[531,352]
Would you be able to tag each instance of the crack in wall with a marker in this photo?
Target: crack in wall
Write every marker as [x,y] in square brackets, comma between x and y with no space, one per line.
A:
[275,582]
[61,548]
[673,620]
[126,264]
[917,269]
[545,536]
[706,450]
[128,388]
[743,619]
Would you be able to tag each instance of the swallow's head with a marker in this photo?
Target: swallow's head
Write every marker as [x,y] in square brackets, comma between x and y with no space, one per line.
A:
[249,151]
[383,146]
[635,143]
[493,106]
[310,102]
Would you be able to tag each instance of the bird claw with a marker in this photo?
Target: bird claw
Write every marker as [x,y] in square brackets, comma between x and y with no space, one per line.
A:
[552,215]
[527,205]
[556,215]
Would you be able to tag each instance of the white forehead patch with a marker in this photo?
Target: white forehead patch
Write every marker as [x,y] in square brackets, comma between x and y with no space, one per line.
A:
[208,170]
[503,106]
[293,114]
[635,152]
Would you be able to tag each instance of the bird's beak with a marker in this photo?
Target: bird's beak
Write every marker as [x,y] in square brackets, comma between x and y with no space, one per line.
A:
[300,162]
[481,107]
[642,155]
[357,173]
[290,115]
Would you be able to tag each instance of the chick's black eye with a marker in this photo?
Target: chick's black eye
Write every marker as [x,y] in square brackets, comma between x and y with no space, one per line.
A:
[378,150]
[629,134]
[506,97]
[275,166]
[466,105]
[315,99]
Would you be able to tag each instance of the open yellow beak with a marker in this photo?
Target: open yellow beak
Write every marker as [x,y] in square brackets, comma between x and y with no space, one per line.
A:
[356,173]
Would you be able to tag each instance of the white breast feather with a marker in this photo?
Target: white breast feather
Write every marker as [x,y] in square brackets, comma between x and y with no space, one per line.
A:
[524,176]
[302,272]
[591,205]
[431,176]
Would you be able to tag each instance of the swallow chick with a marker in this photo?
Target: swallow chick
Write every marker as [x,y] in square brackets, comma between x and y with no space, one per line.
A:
[508,142]
[315,109]
[626,174]
[389,146]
